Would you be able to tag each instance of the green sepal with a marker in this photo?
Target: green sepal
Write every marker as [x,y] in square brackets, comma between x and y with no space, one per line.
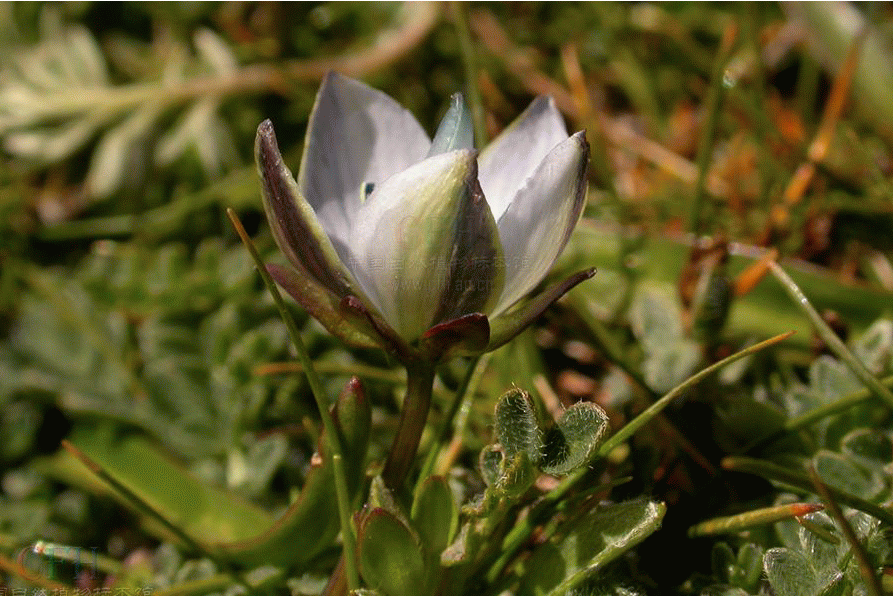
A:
[325,307]
[504,327]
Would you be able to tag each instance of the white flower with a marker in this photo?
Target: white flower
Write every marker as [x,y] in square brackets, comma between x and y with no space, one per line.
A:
[398,239]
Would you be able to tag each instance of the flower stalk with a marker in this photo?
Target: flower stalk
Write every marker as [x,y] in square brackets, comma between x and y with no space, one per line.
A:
[414,414]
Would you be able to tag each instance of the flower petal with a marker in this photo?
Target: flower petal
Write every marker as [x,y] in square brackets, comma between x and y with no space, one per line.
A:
[512,157]
[356,135]
[539,220]
[295,226]
[455,130]
[426,245]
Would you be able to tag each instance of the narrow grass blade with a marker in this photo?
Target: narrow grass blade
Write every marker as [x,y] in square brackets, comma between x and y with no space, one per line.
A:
[830,338]
[749,519]
[347,532]
[801,481]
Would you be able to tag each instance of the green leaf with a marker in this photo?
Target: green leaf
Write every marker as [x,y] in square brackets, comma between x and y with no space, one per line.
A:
[435,515]
[573,441]
[198,509]
[381,497]
[516,425]
[229,528]
[840,472]
[600,537]
[669,357]
[875,347]
[869,447]
[789,573]
[518,475]
[390,555]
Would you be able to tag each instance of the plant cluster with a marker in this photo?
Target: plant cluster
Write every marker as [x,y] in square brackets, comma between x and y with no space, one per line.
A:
[456,401]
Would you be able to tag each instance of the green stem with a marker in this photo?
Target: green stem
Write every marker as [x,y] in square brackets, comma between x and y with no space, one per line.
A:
[705,143]
[830,338]
[333,447]
[419,382]
[469,63]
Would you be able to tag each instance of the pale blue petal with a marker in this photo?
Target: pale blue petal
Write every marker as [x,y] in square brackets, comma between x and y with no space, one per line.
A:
[356,135]
[538,222]
[512,157]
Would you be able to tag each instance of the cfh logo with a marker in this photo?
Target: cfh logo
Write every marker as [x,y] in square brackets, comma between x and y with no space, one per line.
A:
[53,556]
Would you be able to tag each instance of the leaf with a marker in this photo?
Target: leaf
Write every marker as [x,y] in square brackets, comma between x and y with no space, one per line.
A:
[875,347]
[657,322]
[435,515]
[600,537]
[135,462]
[230,528]
[516,425]
[841,473]
[517,475]
[119,151]
[573,441]
[309,526]
[869,447]
[789,573]
[390,555]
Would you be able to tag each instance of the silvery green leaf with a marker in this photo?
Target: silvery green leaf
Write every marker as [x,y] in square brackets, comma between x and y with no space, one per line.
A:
[115,153]
[202,130]
[595,539]
[215,52]
[516,425]
[455,130]
[48,145]
[573,441]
